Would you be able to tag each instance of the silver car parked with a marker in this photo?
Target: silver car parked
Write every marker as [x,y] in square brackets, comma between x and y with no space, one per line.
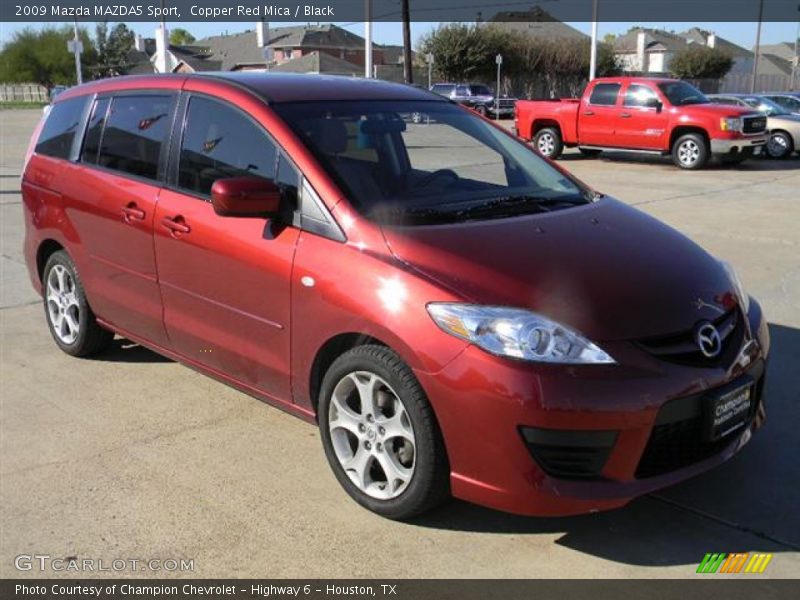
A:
[783,126]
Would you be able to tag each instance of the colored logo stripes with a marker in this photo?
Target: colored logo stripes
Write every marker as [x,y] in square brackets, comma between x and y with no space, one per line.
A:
[737,562]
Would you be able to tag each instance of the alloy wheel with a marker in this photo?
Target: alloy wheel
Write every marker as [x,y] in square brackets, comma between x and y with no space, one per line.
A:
[688,153]
[778,145]
[372,435]
[546,144]
[63,307]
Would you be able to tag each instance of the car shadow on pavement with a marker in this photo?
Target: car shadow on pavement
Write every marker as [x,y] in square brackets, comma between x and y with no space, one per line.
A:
[124,350]
[748,503]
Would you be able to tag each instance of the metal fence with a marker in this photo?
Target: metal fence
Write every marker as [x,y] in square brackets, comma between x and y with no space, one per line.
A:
[23,92]
[740,83]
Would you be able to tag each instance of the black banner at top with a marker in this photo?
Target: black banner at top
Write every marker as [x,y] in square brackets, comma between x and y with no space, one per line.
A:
[341,11]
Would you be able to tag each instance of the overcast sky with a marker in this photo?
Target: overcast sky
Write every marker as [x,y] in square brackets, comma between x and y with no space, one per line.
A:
[743,34]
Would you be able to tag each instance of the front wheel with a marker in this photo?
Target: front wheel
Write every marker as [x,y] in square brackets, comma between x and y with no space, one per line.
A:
[380,435]
[69,317]
[690,151]
[548,142]
[779,145]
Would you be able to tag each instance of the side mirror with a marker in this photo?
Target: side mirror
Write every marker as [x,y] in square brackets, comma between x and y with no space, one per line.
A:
[654,103]
[245,197]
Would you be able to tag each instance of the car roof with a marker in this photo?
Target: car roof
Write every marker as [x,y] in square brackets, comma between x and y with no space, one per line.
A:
[275,87]
[626,79]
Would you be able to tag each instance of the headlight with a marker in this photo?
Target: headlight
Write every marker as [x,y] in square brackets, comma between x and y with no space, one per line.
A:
[731,124]
[516,333]
[744,299]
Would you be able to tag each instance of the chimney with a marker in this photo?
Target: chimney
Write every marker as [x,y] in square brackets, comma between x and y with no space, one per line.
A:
[162,47]
[262,39]
[711,40]
[138,43]
[641,40]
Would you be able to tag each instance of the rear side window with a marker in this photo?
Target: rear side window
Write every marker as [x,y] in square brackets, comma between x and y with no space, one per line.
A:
[60,127]
[220,142]
[135,130]
[605,94]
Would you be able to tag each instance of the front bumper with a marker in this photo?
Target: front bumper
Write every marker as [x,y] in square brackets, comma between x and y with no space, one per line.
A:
[735,145]
[485,404]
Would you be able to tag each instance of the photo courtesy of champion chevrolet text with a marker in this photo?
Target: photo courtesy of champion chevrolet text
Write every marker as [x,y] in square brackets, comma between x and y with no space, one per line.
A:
[399,299]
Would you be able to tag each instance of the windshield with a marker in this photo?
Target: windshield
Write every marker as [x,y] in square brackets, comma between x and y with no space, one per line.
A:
[787,102]
[680,93]
[766,106]
[425,161]
[480,90]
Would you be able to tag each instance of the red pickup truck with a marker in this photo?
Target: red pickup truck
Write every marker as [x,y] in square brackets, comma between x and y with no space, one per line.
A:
[663,116]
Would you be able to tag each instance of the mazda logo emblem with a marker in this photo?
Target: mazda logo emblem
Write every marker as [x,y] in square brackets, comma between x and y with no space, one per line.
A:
[708,340]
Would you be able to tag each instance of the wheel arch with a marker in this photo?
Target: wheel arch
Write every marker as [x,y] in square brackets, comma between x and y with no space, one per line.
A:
[682,130]
[539,124]
[330,350]
[46,249]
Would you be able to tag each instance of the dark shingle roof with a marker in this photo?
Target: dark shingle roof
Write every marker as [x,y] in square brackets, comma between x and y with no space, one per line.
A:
[695,35]
[656,40]
[319,62]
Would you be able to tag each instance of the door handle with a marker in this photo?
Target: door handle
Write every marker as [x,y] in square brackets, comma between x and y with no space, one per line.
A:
[625,115]
[131,212]
[176,225]
[588,113]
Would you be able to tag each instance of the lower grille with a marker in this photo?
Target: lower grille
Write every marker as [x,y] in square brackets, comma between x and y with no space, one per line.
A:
[677,439]
[569,454]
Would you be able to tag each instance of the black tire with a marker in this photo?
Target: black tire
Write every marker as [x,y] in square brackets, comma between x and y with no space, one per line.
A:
[481,110]
[780,145]
[429,484]
[589,152]
[690,152]
[548,142]
[90,338]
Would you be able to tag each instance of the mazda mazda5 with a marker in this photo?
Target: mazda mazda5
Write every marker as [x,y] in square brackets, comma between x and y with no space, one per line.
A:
[459,316]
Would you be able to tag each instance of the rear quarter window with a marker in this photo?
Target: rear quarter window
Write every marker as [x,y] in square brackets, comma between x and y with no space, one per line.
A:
[60,128]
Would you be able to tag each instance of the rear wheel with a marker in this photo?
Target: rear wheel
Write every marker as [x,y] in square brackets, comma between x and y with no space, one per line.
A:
[779,145]
[380,435]
[69,317]
[548,142]
[690,151]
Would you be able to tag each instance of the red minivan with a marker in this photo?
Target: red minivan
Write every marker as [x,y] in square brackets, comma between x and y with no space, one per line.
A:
[459,315]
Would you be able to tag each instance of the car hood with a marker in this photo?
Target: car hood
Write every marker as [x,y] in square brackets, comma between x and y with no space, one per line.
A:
[605,269]
[791,121]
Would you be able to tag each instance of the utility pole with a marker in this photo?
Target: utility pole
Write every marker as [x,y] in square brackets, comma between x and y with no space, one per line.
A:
[593,54]
[368,39]
[499,60]
[408,72]
[429,59]
[795,64]
[76,47]
[758,47]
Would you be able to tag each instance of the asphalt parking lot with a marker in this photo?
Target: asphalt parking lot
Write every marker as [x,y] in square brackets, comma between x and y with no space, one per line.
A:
[133,456]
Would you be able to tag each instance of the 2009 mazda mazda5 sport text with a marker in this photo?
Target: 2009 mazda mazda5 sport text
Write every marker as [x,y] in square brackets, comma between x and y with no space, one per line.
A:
[460,316]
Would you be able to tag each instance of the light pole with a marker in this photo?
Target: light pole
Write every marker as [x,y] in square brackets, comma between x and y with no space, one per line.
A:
[76,47]
[499,60]
[593,53]
[429,59]
[368,39]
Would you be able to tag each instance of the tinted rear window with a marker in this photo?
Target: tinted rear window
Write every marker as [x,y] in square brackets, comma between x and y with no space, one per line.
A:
[136,127]
[605,94]
[60,127]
